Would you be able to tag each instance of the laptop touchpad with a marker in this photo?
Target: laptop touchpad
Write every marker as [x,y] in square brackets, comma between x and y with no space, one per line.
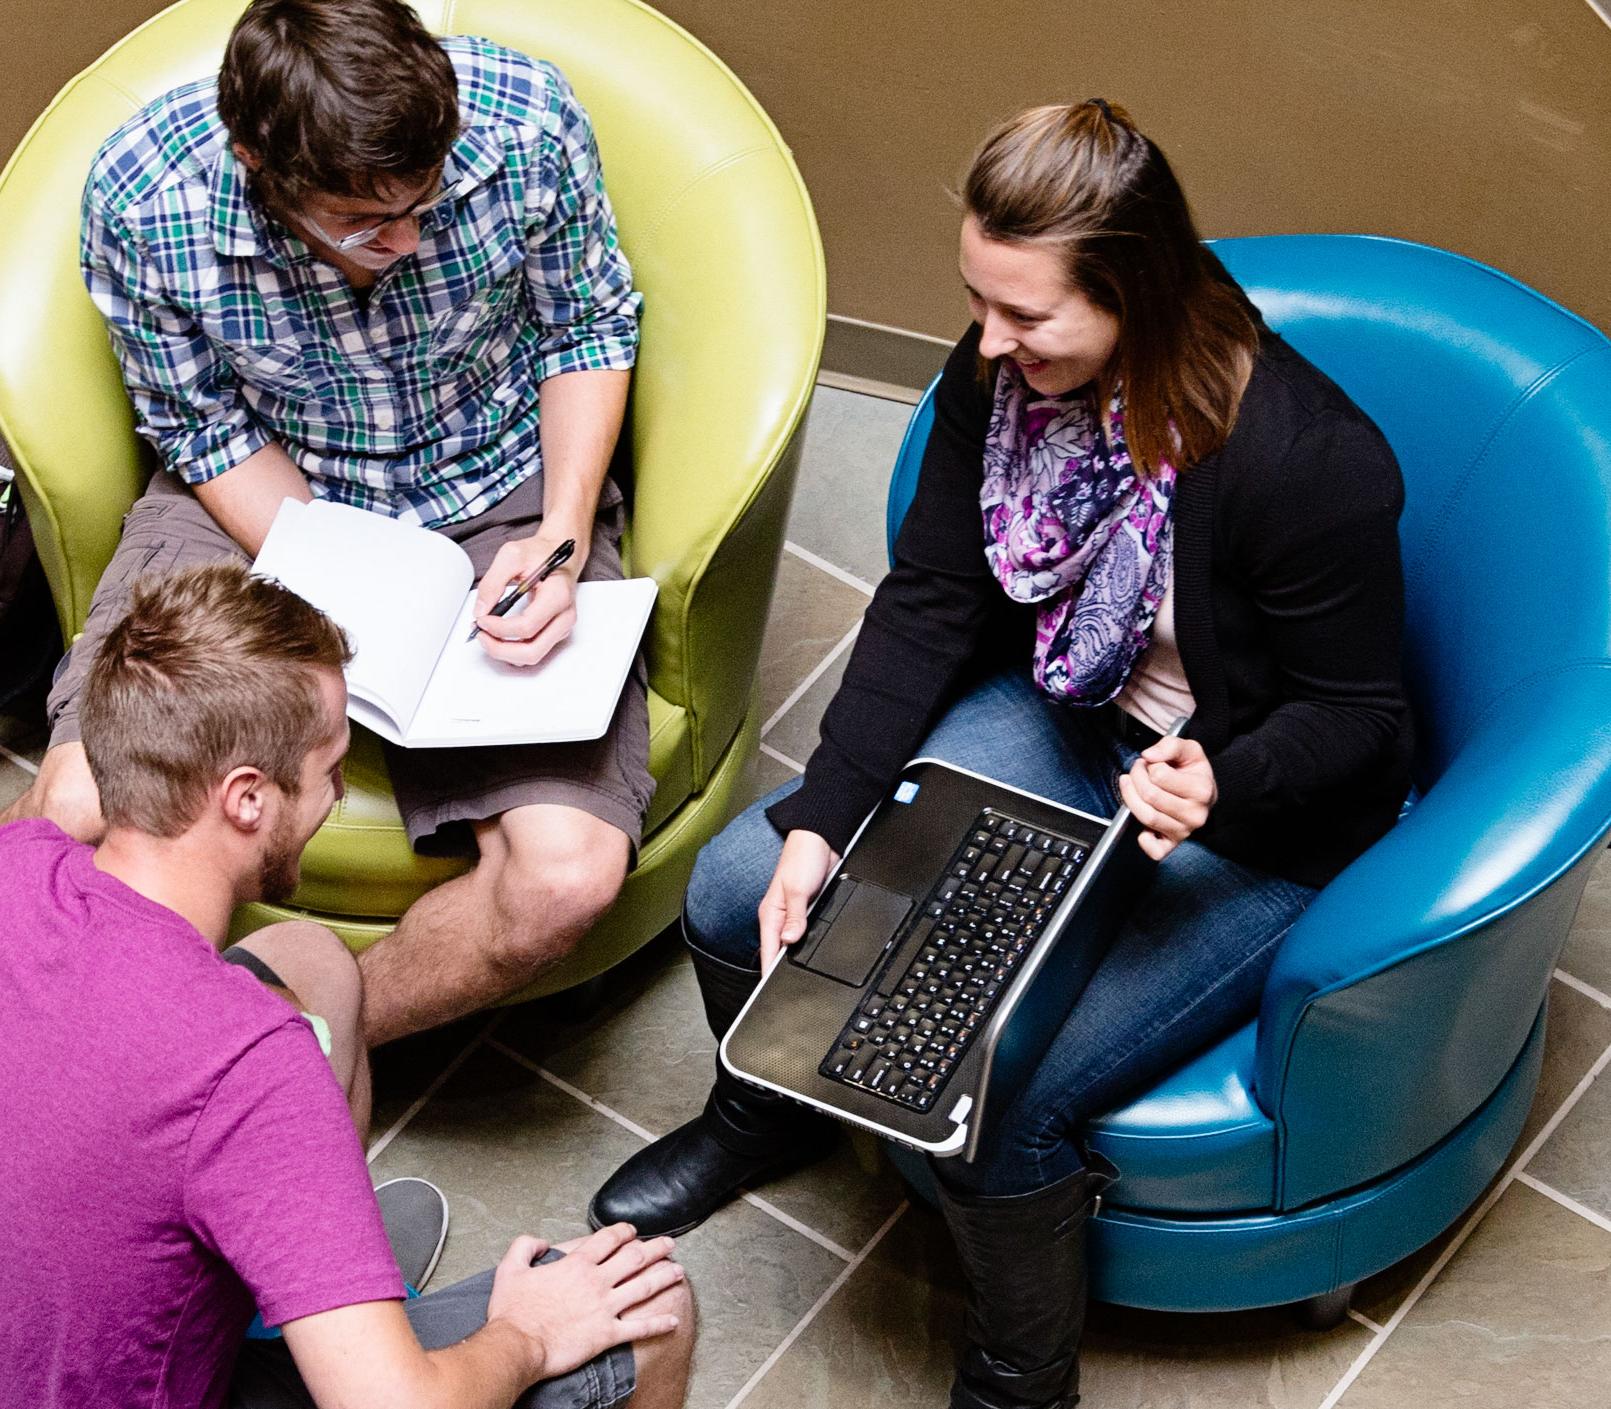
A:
[856,937]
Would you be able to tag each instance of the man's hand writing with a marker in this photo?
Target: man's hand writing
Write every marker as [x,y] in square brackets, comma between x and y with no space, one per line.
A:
[544,617]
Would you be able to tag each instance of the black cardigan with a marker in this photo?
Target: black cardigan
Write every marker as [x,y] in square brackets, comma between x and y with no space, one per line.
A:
[1289,610]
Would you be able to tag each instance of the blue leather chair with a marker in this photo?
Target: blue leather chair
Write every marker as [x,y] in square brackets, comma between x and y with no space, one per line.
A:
[1399,1042]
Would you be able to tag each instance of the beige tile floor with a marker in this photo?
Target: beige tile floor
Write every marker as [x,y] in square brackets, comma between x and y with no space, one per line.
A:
[830,1289]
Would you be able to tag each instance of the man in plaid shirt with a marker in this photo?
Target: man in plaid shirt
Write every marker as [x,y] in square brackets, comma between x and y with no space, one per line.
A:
[367,266]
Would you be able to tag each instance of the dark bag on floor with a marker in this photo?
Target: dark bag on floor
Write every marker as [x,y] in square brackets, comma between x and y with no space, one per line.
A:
[30,642]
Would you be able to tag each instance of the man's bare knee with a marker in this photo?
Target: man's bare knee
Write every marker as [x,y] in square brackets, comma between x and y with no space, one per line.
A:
[322,976]
[65,793]
[550,886]
[662,1362]
[569,891]
[313,963]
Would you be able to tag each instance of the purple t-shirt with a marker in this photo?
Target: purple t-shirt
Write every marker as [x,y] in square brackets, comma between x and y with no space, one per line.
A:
[176,1149]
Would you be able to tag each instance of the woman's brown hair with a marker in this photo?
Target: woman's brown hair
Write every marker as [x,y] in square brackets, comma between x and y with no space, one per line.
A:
[1080,178]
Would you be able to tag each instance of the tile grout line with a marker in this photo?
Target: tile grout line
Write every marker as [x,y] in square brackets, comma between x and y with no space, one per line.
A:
[20,761]
[1566,1201]
[559,1082]
[441,1079]
[828,1295]
[810,680]
[832,569]
[1365,1321]
[1587,990]
[626,1123]
[788,1220]
[782,758]
[1467,1229]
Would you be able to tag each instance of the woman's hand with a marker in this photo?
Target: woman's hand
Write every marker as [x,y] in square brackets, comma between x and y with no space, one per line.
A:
[802,869]
[1171,790]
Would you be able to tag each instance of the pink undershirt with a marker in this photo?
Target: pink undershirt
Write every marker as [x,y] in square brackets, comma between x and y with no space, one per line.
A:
[1156,692]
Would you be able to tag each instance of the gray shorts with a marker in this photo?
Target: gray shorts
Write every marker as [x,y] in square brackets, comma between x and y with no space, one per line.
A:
[439,791]
[266,1377]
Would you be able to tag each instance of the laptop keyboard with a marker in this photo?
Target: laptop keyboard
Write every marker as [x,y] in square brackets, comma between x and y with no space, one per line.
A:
[917,1021]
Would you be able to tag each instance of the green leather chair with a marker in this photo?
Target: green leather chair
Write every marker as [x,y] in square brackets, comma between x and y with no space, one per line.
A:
[720,233]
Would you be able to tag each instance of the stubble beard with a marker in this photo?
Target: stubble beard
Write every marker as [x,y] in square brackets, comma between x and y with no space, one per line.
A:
[281,868]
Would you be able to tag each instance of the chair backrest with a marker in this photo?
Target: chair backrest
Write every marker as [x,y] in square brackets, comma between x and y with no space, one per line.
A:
[1497,403]
[713,216]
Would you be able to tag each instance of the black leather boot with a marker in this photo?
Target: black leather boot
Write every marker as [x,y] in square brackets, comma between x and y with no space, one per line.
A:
[743,1136]
[1024,1258]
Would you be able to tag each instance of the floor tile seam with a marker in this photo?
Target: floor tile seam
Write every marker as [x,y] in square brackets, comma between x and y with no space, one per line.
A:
[812,1312]
[782,758]
[1381,1337]
[437,1083]
[1366,1355]
[1588,990]
[1565,1109]
[20,761]
[821,669]
[647,1136]
[1364,1320]
[805,1230]
[560,1084]
[832,569]
[1566,1201]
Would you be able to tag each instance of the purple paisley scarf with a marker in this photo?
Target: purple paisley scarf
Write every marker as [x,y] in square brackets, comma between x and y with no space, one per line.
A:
[1071,527]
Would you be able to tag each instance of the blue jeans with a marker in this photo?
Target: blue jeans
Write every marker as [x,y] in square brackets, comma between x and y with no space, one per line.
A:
[1186,969]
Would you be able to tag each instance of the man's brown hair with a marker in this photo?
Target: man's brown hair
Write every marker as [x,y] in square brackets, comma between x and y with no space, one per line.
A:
[1080,179]
[211,669]
[337,96]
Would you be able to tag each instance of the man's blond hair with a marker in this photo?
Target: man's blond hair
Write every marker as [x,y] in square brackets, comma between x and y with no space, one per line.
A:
[211,669]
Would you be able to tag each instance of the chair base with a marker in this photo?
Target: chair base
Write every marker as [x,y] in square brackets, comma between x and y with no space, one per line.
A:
[1324,1313]
[650,900]
[1234,1263]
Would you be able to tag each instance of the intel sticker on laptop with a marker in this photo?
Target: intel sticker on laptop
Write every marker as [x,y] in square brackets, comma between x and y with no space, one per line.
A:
[906,792]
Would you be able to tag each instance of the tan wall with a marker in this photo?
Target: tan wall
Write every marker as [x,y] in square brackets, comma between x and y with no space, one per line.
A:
[43,43]
[1480,125]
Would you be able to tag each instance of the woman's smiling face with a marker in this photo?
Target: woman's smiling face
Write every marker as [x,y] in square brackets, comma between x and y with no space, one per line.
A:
[1019,296]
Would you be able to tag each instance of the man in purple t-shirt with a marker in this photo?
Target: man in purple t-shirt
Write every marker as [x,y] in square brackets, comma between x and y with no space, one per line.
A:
[181,1151]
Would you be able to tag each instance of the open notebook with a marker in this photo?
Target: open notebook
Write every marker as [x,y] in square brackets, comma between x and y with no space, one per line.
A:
[405,596]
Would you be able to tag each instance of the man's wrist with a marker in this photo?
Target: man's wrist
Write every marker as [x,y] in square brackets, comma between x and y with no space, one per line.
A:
[527,1351]
[557,527]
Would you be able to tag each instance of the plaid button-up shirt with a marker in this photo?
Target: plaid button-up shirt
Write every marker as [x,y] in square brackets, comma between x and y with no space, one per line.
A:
[421,402]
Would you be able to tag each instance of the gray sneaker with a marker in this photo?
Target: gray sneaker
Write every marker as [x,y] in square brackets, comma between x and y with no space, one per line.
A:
[415,1213]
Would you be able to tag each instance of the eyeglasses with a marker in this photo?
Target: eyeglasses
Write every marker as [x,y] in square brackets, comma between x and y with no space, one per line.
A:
[423,206]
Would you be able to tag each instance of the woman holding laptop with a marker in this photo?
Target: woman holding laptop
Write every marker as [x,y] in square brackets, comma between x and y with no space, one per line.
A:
[1137,503]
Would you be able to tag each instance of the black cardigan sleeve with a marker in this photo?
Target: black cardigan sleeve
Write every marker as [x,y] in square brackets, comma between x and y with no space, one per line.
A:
[920,629]
[1317,548]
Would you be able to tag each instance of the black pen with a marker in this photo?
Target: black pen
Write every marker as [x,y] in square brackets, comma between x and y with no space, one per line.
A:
[513,593]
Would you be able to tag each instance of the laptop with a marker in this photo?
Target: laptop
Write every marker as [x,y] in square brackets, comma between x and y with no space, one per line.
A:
[941,957]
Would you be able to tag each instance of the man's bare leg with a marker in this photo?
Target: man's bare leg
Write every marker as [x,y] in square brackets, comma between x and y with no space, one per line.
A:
[322,977]
[546,875]
[64,793]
